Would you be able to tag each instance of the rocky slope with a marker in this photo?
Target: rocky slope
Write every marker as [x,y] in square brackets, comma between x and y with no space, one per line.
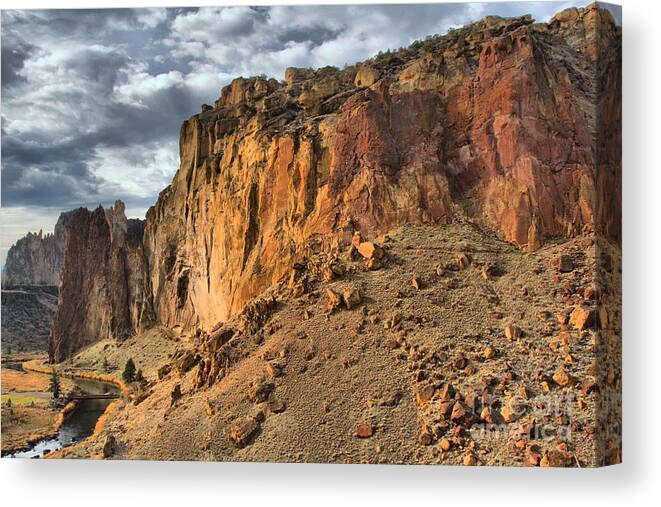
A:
[36,259]
[459,349]
[27,314]
[102,290]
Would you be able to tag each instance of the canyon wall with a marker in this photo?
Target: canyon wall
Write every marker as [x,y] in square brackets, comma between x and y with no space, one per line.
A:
[495,122]
[102,291]
[498,123]
[36,259]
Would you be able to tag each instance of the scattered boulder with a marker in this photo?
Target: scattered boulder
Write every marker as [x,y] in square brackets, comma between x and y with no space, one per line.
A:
[274,369]
[582,317]
[462,414]
[513,410]
[488,271]
[489,352]
[277,406]
[416,282]
[532,455]
[243,430]
[425,437]
[563,263]
[370,250]
[175,395]
[333,299]
[260,389]
[561,377]
[448,392]
[512,332]
[364,430]
[424,393]
[352,298]
[109,447]
[186,360]
[462,261]
[469,460]
[559,457]
[445,408]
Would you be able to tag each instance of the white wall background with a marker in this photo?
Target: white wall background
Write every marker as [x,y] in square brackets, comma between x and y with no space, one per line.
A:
[636,482]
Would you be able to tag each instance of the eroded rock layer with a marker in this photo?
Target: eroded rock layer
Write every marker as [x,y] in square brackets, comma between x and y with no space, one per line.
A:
[506,123]
[496,122]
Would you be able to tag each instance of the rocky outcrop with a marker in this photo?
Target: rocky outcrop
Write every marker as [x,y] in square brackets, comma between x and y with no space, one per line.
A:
[495,122]
[102,290]
[36,259]
[506,123]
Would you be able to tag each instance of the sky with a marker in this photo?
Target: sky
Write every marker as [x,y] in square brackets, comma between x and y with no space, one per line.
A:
[92,100]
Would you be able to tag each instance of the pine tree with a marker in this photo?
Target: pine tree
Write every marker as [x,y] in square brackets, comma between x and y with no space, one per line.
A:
[129,371]
[105,364]
[54,387]
[139,377]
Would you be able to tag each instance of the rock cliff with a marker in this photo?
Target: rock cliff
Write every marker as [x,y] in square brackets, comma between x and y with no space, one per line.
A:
[506,123]
[36,259]
[102,290]
[495,122]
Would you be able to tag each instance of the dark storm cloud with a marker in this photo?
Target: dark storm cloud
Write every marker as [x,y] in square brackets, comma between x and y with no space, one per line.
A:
[92,100]
[14,54]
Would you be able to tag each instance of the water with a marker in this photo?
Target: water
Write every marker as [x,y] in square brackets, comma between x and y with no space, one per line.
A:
[80,423]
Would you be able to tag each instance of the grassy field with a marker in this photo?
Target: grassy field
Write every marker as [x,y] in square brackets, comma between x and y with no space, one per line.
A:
[26,411]
[23,424]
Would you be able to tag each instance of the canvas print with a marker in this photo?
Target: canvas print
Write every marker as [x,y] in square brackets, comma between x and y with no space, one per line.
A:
[323,234]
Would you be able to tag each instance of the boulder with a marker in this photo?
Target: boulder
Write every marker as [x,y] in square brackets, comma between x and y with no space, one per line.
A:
[351,297]
[243,430]
[109,447]
[583,317]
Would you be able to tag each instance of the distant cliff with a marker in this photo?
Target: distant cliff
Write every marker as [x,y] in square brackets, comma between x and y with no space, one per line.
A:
[36,259]
[503,122]
[102,290]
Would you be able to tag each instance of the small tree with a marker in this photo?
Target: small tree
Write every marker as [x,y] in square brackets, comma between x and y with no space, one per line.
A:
[54,387]
[105,364]
[129,371]
[139,377]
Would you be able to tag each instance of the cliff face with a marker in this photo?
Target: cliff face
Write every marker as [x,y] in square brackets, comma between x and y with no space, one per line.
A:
[102,291]
[496,123]
[36,259]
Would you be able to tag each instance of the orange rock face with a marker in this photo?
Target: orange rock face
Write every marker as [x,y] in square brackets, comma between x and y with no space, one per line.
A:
[504,122]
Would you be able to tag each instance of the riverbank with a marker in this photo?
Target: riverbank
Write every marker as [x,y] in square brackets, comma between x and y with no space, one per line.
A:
[29,441]
[27,414]
[40,366]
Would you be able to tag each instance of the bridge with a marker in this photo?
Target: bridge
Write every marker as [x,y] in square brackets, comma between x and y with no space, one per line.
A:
[106,396]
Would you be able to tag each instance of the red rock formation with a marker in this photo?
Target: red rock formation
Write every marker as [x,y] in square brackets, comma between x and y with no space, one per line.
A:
[506,123]
[495,122]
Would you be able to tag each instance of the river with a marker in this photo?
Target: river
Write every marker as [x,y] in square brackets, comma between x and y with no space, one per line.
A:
[78,425]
